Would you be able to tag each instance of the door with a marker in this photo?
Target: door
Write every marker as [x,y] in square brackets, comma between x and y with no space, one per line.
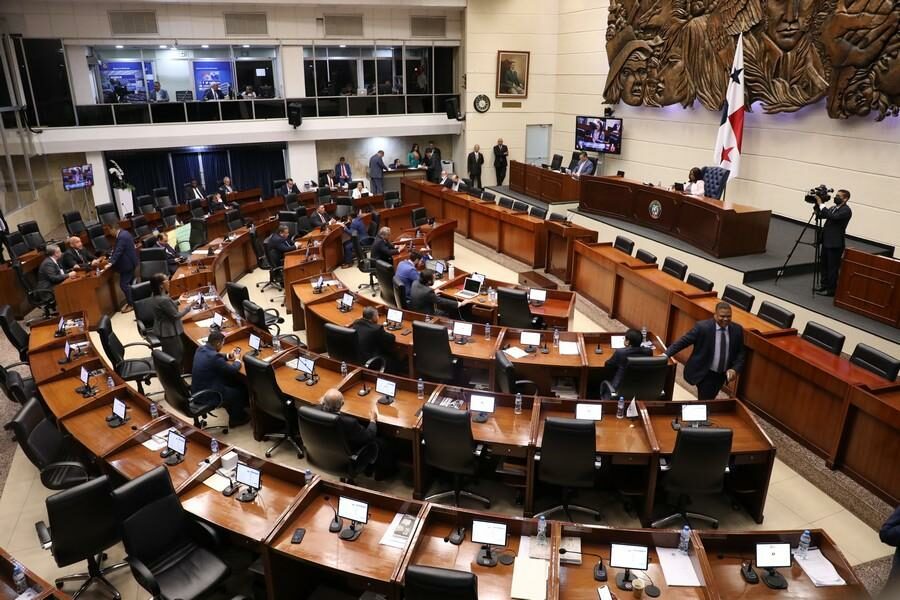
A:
[537,144]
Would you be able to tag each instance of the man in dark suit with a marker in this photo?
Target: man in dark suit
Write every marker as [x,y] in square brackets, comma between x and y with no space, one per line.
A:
[173,257]
[382,248]
[344,172]
[76,257]
[718,354]
[890,535]
[328,180]
[376,172]
[320,217]
[358,437]
[474,163]
[289,187]
[434,164]
[422,298]
[444,179]
[374,340]
[194,191]
[213,370]
[214,93]
[225,188]
[619,359]
[51,272]
[501,160]
[279,243]
[832,239]
[124,260]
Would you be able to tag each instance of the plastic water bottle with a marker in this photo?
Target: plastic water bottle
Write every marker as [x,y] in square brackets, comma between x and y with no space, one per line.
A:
[644,334]
[428,318]
[451,271]
[684,542]
[556,337]
[420,389]
[214,446]
[620,408]
[803,546]
[154,410]
[542,531]
[19,580]
[518,408]
[212,290]
[239,320]
[110,382]
[308,475]
[487,331]
[276,344]
[343,369]
[491,293]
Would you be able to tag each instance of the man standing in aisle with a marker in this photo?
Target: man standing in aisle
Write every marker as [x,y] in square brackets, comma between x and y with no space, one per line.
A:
[501,160]
[124,260]
[476,159]
[376,172]
[833,231]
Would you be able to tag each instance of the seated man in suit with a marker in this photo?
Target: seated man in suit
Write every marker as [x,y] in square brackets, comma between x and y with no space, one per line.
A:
[51,272]
[173,257]
[422,297]
[454,183]
[445,179]
[382,248]
[584,166]
[226,187]
[408,270]
[355,225]
[328,180]
[195,191]
[619,359]
[718,354]
[359,437]
[374,340]
[320,217]
[279,243]
[76,257]
[344,172]
[214,93]
[213,370]
[289,187]
[215,203]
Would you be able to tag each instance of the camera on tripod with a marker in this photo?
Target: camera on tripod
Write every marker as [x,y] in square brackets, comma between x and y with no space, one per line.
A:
[819,192]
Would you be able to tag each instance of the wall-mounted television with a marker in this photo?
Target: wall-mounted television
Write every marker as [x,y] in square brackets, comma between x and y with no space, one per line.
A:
[77,178]
[598,134]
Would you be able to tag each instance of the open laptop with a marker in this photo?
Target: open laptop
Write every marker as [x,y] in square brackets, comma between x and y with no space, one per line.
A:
[472,288]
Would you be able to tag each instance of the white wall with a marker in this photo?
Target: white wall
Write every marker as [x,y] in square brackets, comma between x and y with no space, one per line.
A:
[301,161]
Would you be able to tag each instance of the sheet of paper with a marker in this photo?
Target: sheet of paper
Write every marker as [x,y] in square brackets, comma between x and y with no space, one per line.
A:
[529,578]
[603,593]
[202,340]
[200,252]
[617,341]
[216,482]
[677,568]
[568,348]
[204,322]
[819,569]
[515,352]
[399,531]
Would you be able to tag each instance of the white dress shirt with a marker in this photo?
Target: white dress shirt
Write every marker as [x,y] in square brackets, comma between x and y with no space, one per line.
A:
[695,188]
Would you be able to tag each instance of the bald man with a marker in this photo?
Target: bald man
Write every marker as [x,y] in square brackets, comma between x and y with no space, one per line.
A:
[76,257]
[361,439]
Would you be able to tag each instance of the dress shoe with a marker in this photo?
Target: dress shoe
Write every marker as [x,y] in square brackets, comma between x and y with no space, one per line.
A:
[239,420]
[829,293]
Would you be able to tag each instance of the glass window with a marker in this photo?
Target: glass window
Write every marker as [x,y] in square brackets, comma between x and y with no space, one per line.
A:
[418,70]
[172,69]
[309,71]
[121,75]
[255,72]
[444,72]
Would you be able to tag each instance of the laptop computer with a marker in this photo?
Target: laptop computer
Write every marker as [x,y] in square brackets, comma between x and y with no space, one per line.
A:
[472,288]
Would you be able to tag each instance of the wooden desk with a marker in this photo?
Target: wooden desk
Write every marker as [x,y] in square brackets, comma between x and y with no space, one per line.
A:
[870,285]
[302,292]
[242,196]
[721,228]
[8,591]
[42,333]
[542,184]
[561,238]
[439,237]
[393,179]
[514,233]
[595,273]
[546,369]
[96,295]
[13,294]
[88,424]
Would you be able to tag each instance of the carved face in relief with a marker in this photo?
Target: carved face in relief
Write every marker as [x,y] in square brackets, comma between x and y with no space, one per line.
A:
[634,79]
[788,21]
[697,7]
[672,81]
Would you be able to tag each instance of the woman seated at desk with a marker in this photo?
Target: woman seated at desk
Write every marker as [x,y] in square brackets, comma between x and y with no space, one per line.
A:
[360,190]
[694,186]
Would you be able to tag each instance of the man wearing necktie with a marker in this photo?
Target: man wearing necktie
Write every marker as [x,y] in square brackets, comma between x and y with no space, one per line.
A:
[476,159]
[51,272]
[196,191]
[225,188]
[584,166]
[344,172]
[501,152]
[718,354]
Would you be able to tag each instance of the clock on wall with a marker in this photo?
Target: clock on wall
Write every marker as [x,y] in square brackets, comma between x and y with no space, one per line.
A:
[482,103]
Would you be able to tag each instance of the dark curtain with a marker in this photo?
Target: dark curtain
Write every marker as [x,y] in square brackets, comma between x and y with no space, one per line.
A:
[186,167]
[215,167]
[144,170]
[257,166]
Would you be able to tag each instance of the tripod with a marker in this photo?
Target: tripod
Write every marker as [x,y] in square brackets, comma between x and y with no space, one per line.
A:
[817,249]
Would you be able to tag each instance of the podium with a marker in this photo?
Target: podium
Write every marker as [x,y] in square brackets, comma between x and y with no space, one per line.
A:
[869,285]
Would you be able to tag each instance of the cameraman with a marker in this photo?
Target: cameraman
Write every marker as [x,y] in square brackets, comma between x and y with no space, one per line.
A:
[836,219]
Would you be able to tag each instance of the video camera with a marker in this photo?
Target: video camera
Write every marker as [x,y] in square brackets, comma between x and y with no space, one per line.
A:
[819,192]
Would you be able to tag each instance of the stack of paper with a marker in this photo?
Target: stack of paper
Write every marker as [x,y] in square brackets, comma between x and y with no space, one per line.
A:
[399,531]
[617,341]
[568,348]
[819,569]
[529,578]
[515,352]
[677,567]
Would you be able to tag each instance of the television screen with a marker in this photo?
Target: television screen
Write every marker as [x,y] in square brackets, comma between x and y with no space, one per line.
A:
[598,134]
[76,178]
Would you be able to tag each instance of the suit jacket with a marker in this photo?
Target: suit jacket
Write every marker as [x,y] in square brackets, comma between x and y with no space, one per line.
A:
[280,246]
[619,360]
[196,193]
[49,274]
[285,190]
[500,158]
[421,298]
[213,371]
[474,163]
[124,257]
[357,436]
[585,167]
[72,258]
[166,316]
[223,191]
[160,96]
[444,181]
[890,535]
[337,172]
[434,166]
[326,180]
[374,340]
[383,250]
[408,274]
[377,167]
[836,220]
[318,220]
[703,338]
[211,94]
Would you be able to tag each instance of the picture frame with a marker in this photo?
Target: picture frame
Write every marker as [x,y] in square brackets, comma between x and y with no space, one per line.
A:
[512,73]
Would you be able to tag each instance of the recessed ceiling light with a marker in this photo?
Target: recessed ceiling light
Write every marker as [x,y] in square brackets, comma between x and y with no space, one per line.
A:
[119,46]
[343,45]
[246,45]
[163,46]
[204,46]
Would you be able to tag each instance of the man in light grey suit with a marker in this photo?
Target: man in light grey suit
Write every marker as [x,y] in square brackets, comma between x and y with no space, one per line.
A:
[376,172]
[584,166]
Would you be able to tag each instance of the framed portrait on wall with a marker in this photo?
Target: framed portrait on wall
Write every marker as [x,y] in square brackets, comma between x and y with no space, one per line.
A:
[512,74]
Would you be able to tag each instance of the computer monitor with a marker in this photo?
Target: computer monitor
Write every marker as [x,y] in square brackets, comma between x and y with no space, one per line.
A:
[176,442]
[119,408]
[772,556]
[599,134]
[439,268]
[489,532]
[306,365]
[62,324]
[394,317]
[461,329]
[347,301]
[629,556]
[536,295]
[588,412]
[386,388]
[218,319]
[353,510]
[247,475]
[472,285]
[693,413]
[254,342]
[67,351]
[530,338]
[320,281]
[481,406]
[477,277]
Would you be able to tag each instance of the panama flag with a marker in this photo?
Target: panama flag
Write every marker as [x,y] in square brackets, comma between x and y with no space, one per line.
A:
[731,128]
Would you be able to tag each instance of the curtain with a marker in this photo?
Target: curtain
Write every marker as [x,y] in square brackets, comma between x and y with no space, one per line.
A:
[186,166]
[257,166]
[144,170]
[215,167]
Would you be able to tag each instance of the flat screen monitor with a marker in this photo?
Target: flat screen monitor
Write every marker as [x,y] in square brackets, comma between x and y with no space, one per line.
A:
[254,341]
[628,556]
[693,412]
[218,319]
[67,350]
[477,277]
[488,532]
[530,338]
[598,134]
[119,408]
[305,365]
[472,285]
[77,178]
[247,475]
[321,280]
[85,375]
[386,387]
[462,329]
[482,404]
[772,556]
[394,316]
[588,412]
[62,324]
[176,442]
[354,510]
[347,300]
[537,295]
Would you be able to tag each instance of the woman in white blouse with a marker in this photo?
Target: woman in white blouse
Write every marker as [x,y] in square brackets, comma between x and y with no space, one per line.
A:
[694,186]
[359,190]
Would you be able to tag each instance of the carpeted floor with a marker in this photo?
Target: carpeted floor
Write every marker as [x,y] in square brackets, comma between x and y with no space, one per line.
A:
[8,409]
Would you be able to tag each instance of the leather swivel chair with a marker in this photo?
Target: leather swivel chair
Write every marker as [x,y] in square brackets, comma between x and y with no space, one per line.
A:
[107,214]
[875,361]
[196,208]
[266,398]
[262,318]
[292,203]
[697,466]
[540,213]
[776,315]
[98,239]
[645,257]
[645,379]
[160,192]
[31,233]
[384,274]
[233,219]
[263,261]
[418,216]
[288,218]
[15,243]
[199,405]
[738,297]
[170,552]
[169,215]
[198,233]
[41,298]
[507,382]
[700,282]
[675,268]
[557,217]
[505,202]
[365,265]
[450,448]
[163,202]
[429,583]
[144,316]
[145,204]
[74,223]
[342,344]
[139,226]
[824,337]
[624,244]
[152,261]
[237,293]
[15,333]
[714,181]
[488,196]
[568,459]
[400,299]
[18,387]
[327,447]
[54,454]
[139,370]
[432,359]
[513,310]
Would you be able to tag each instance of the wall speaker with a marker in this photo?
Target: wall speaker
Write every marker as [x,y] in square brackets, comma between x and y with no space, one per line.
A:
[295,114]
[452,106]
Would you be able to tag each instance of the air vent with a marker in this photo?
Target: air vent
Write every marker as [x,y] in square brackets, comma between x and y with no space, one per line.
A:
[430,27]
[133,22]
[246,24]
[343,25]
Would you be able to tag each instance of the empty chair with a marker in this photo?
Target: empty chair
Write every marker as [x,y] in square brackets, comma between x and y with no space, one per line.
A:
[645,378]
[160,192]
[169,550]
[557,217]
[697,466]
[74,223]
[144,313]
[54,454]
[84,525]
[507,382]
[198,233]
[18,387]
[342,344]
[15,243]
[303,224]
[418,216]
[342,210]
[267,398]
[178,393]
[163,202]
[520,206]
[568,459]
[275,271]
[776,315]
[31,233]
[824,337]
[738,297]
[107,214]
[233,219]
[15,333]
[140,227]
[540,213]
[292,202]
[449,447]
[97,239]
[700,282]
[675,268]
[505,202]
[392,195]
[644,256]
[384,273]
[876,361]
[262,318]
[485,195]
[152,261]
[428,583]
[145,204]
[364,264]
[237,293]
[624,244]
[432,359]
[327,446]
[513,310]
[169,216]
[196,207]
[139,370]
[277,184]
[400,299]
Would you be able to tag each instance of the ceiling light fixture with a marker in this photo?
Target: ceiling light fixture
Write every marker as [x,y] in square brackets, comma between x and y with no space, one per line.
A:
[119,46]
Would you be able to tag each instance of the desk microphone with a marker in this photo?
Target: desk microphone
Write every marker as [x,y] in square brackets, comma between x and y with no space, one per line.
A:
[364,390]
[598,349]
[599,568]
[544,348]
[456,536]
[337,523]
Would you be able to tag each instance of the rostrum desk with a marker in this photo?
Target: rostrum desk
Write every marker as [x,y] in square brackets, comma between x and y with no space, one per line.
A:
[542,184]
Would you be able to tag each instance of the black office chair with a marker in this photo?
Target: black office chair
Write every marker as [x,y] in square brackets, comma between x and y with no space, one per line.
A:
[540,213]
[267,398]
[419,216]
[169,216]
[197,405]
[392,195]
[486,195]
[365,265]
[520,206]
[139,370]
[624,244]
[824,337]
[145,204]
[700,282]
[74,223]
[738,297]
[288,219]
[698,465]
[776,315]
[432,359]
[55,455]
[876,361]
[163,202]
[144,314]
[342,343]
[645,379]
[513,310]
[237,293]
[141,291]
[505,202]
[139,226]
[557,217]
[391,202]
[18,386]
[15,243]
[327,447]
[292,203]
[450,447]
[264,262]
[83,525]
[233,219]
[15,333]
[507,382]
[196,208]
[675,268]
[384,274]
[152,261]
[31,233]
[276,184]
[262,318]
[107,214]
[170,552]
[214,207]
[400,300]
[342,210]
[160,192]
[198,233]
[98,240]
[43,299]
[568,459]
[428,583]
[646,257]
